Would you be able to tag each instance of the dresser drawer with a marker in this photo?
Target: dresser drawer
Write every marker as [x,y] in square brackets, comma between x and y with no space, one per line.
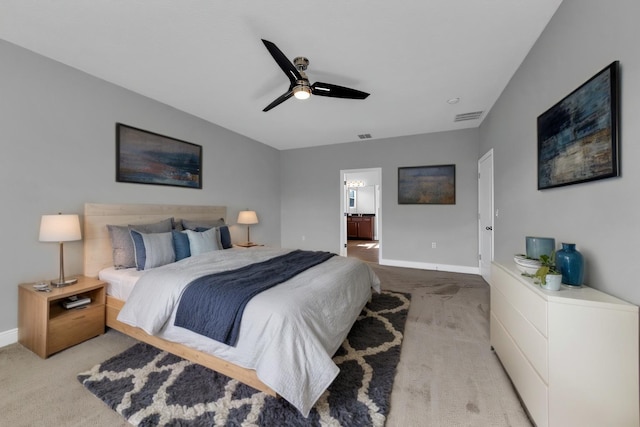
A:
[75,326]
[532,389]
[530,341]
[531,305]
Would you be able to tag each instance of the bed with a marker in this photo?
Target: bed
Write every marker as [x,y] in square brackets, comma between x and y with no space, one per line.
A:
[293,361]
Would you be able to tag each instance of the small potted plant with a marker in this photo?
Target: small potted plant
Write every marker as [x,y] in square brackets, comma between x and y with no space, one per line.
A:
[548,276]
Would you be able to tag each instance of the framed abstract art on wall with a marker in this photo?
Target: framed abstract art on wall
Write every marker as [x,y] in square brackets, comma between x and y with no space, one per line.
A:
[430,185]
[578,136]
[149,158]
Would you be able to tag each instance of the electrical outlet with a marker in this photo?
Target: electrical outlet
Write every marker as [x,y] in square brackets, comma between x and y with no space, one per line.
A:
[433,245]
[304,238]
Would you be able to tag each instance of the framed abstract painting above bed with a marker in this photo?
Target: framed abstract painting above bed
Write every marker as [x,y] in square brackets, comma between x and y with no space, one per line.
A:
[145,157]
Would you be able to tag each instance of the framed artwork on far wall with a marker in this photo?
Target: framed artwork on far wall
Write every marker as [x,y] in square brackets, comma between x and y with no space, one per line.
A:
[149,158]
[427,185]
[578,137]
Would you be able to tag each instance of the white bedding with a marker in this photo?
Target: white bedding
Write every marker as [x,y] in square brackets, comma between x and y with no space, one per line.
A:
[288,333]
[120,282]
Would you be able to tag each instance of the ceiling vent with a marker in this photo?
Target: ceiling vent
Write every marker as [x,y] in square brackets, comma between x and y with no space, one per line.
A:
[468,116]
[364,136]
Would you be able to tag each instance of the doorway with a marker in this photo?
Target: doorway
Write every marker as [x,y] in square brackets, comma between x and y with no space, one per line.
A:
[360,214]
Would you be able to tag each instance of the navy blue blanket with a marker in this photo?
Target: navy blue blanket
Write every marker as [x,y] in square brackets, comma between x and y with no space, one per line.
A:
[212,305]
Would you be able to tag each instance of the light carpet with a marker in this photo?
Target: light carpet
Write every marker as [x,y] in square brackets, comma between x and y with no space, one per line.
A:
[152,388]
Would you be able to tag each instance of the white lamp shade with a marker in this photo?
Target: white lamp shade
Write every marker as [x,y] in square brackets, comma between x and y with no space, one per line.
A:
[247,217]
[60,228]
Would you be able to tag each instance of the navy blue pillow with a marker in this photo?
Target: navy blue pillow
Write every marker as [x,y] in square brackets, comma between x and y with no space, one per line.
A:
[181,245]
[225,237]
[140,255]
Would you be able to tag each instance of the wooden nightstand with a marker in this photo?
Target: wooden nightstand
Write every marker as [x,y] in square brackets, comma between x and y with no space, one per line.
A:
[247,245]
[45,327]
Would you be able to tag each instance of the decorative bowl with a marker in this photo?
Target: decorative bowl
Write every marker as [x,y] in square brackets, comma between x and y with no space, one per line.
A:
[526,265]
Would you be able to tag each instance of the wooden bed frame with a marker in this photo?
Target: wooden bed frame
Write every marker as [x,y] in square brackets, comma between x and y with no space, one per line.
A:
[98,255]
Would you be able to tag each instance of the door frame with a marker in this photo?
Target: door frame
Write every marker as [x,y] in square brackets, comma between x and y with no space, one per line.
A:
[343,207]
[487,157]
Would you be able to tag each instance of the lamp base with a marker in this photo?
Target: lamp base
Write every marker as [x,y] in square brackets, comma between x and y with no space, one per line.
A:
[247,244]
[59,284]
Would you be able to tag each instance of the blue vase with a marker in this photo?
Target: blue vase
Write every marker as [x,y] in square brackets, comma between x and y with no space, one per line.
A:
[571,264]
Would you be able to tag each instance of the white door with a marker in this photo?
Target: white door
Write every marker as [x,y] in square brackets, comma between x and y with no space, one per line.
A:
[485,214]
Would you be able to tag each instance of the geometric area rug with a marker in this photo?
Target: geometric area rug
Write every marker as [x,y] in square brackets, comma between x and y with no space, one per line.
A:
[149,387]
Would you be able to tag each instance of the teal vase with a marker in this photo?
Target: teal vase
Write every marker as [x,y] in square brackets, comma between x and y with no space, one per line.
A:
[571,264]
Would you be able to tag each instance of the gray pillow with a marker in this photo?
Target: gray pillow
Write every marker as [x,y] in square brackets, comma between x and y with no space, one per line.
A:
[163,226]
[176,224]
[192,224]
[122,245]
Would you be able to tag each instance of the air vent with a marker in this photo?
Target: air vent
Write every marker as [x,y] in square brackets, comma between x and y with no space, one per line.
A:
[468,116]
[364,136]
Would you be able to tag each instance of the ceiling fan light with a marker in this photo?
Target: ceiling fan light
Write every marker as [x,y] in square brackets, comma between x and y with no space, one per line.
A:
[302,92]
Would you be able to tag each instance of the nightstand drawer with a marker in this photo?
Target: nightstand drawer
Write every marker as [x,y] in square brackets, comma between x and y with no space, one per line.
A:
[75,326]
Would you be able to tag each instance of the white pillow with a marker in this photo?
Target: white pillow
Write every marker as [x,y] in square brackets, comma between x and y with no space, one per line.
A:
[204,241]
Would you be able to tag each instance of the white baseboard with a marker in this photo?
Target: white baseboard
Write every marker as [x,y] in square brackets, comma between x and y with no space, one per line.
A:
[8,337]
[429,266]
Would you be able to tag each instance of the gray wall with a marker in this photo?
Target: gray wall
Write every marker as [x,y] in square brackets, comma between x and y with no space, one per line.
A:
[59,148]
[602,217]
[311,192]
[58,152]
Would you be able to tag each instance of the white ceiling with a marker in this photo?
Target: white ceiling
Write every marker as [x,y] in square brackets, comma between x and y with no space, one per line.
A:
[206,58]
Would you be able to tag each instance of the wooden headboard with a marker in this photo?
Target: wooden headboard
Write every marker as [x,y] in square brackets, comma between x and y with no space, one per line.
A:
[97,244]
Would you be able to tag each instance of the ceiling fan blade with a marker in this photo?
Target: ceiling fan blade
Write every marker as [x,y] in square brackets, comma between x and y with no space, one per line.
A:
[279,100]
[335,91]
[284,63]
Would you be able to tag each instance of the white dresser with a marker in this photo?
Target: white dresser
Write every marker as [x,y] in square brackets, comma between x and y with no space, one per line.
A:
[571,354]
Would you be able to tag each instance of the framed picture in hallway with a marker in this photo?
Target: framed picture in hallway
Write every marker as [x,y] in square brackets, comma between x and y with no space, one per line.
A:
[578,137]
[149,158]
[427,185]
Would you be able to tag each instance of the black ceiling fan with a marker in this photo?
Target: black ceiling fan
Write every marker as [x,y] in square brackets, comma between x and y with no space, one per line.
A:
[300,87]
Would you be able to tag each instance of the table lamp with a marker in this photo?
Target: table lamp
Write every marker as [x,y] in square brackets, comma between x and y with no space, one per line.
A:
[60,228]
[248,218]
